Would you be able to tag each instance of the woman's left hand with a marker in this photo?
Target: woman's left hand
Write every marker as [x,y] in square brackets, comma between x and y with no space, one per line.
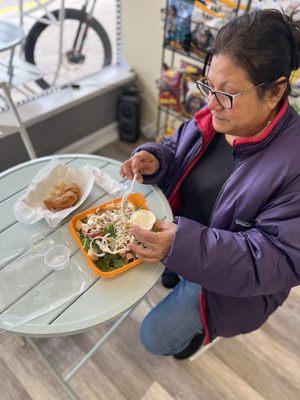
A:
[157,244]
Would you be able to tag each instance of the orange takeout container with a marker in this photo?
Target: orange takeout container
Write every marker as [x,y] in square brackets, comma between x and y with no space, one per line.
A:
[138,200]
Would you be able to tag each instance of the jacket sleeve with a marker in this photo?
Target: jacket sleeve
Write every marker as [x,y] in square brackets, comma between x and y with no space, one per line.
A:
[165,152]
[262,260]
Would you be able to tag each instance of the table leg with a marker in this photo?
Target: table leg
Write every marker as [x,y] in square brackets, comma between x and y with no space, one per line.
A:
[21,340]
[149,302]
[63,380]
[97,345]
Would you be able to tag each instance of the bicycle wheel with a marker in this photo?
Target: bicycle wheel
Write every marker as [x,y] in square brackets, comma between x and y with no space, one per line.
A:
[42,44]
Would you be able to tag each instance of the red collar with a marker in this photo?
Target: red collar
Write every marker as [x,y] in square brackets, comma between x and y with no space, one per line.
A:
[203,119]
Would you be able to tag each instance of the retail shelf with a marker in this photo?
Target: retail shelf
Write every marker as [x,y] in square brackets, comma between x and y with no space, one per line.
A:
[185,47]
[174,113]
[185,53]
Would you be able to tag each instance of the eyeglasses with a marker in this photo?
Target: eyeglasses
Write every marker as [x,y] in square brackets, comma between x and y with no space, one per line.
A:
[224,99]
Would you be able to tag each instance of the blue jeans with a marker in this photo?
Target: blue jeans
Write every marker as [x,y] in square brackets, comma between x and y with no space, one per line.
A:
[170,326]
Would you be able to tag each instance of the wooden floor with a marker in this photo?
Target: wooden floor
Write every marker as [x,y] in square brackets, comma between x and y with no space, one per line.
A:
[263,365]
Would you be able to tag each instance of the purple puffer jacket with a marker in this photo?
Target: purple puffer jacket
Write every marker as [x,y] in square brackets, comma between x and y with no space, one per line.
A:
[248,259]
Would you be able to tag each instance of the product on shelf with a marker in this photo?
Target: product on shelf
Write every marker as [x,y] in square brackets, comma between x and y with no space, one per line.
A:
[209,8]
[169,88]
[178,21]
[170,128]
[192,99]
[233,4]
[178,90]
[204,29]
[295,83]
[201,40]
[286,5]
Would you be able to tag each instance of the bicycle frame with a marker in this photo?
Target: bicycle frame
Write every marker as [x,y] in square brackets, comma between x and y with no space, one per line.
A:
[40,6]
[81,34]
[51,20]
[85,29]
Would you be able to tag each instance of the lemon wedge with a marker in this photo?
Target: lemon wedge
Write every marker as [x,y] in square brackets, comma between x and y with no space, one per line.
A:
[145,219]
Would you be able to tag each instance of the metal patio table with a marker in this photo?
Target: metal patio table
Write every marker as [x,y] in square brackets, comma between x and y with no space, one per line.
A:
[105,299]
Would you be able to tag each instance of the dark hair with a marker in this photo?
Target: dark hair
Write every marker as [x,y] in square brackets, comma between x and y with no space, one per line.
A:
[264,43]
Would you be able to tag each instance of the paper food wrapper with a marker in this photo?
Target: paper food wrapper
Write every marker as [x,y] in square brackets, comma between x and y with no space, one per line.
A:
[30,207]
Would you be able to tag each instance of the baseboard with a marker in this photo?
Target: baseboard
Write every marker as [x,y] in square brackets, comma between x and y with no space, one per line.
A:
[91,143]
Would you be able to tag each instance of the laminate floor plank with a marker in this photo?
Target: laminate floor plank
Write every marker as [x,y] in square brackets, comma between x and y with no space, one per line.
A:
[246,365]
[229,385]
[278,357]
[272,385]
[92,384]
[156,392]
[29,374]
[10,387]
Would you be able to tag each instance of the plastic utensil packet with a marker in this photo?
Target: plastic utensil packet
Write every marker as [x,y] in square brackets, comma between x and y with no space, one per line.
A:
[28,287]
[107,183]
[30,208]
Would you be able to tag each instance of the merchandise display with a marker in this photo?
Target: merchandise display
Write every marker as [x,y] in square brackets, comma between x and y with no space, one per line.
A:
[192,100]
[190,29]
[169,88]
[178,23]
[177,89]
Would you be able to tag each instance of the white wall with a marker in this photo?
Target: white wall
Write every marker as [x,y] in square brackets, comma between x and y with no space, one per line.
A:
[142,34]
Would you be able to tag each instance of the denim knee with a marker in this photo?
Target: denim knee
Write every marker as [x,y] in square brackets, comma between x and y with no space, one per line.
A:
[153,340]
[170,325]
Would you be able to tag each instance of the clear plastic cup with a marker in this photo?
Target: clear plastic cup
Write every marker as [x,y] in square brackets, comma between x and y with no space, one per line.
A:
[57,257]
[40,244]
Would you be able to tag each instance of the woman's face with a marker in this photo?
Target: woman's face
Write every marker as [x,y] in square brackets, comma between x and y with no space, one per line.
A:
[249,114]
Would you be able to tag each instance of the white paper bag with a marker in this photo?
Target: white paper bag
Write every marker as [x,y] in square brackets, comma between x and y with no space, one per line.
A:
[30,207]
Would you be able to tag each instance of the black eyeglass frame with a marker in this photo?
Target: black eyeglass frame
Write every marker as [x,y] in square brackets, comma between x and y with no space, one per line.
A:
[230,96]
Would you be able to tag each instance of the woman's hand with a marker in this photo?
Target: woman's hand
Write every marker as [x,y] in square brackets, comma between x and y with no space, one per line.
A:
[157,244]
[142,163]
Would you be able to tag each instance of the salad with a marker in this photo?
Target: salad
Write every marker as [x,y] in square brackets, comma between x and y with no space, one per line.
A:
[105,235]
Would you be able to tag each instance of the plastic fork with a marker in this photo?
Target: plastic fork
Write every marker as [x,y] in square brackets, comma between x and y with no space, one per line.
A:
[127,193]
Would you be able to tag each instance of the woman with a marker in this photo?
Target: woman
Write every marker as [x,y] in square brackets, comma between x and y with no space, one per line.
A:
[232,177]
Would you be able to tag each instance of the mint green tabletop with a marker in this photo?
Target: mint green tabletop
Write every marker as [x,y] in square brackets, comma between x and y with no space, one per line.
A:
[104,299]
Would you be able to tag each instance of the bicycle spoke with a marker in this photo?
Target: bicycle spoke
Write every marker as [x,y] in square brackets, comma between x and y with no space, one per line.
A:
[76,63]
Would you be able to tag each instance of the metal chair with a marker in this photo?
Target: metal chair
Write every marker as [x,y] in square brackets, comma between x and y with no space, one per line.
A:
[14,73]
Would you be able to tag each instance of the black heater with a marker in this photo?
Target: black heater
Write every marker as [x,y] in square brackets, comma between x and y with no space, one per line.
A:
[128,114]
